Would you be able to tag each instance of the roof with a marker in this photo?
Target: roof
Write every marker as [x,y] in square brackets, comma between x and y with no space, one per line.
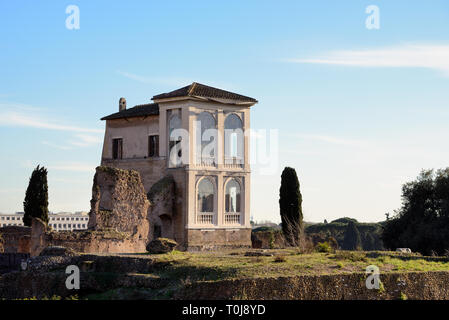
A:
[141,110]
[200,90]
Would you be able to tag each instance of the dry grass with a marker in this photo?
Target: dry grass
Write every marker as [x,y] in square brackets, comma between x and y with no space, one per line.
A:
[286,262]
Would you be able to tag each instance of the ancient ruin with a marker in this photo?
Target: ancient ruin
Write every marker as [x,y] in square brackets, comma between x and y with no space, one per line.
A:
[198,189]
[118,218]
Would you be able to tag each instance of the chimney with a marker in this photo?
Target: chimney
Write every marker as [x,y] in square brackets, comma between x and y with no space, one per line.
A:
[122,104]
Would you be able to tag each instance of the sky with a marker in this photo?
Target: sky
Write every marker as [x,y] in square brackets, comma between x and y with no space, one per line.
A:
[359,111]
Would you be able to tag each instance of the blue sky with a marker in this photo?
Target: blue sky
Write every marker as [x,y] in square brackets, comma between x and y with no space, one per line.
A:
[359,111]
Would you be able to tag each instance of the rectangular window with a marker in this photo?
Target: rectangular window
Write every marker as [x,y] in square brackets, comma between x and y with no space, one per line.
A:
[117,148]
[153,146]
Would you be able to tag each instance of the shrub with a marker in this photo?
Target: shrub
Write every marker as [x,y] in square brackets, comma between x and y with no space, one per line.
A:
[279,259]
[323,247]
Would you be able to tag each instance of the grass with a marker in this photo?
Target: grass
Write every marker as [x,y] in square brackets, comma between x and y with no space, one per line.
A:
[181,269]
[286,262]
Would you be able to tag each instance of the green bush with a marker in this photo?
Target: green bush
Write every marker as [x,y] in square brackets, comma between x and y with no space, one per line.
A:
[323,247]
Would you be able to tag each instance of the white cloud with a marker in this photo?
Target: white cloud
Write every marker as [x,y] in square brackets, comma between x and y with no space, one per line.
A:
[77,167]
[63,166]
[330,139]
[57,146]
[170,81]
[18,119]
[85,140]
[175,81]
[434,57]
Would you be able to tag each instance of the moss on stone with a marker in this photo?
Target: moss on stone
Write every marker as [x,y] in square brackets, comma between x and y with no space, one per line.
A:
[110,233]
[160,186]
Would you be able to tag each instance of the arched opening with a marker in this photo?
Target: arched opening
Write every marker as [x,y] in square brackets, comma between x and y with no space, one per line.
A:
[206,202]
[166,228]
[233,198]
[233,135]
[206,139]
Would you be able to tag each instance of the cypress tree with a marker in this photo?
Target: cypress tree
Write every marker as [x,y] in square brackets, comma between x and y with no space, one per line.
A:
[36,197]
[369,243]
[352,240]
[290,201]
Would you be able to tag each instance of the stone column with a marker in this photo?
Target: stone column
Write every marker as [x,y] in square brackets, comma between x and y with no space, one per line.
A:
[246,126]
[220,137]
[220,202]
[162,131]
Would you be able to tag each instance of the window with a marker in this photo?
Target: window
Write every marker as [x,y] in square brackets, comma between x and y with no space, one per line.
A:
[233,196]
[153,146]
[117,148]
[174,141]
[206,202]
[233,140]
[232,202]
[206,139]
[205,196]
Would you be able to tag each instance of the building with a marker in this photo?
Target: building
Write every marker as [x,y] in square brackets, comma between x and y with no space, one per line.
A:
[62,221]
[198,136]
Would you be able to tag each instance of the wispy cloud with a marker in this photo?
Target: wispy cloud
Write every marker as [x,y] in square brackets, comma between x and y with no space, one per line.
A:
[63,166]
[20,119]
[434,57]
[170,81]
[329,139]
[57,146]
[78,140]
[77,167]
[175,81]
[85,140]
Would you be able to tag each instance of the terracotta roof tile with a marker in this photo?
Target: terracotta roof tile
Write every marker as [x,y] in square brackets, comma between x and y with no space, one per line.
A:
[142,110]
[201,90]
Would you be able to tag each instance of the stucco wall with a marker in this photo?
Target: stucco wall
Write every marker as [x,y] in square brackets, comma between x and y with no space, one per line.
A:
[134,132]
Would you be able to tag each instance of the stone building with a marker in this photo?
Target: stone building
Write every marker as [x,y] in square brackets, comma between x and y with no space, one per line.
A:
[62,221]
[191,148]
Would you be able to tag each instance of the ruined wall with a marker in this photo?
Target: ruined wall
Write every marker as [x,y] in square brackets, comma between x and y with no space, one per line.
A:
[118,218]
[413,285]
[161,213]
[268,239]
[16,239]
[151,170]
[119,202]
[180,206]
[199,240]
[11,261]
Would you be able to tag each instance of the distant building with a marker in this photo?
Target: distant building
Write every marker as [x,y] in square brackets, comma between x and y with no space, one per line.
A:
[62,221]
